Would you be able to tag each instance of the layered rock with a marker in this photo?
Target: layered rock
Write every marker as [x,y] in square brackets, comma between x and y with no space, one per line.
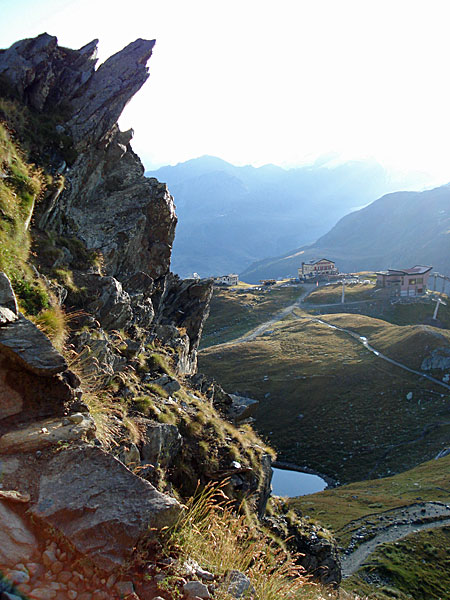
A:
[35,381]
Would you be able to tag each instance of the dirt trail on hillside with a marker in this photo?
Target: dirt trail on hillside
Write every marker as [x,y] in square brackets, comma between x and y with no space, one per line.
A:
[308,288]
[410,519]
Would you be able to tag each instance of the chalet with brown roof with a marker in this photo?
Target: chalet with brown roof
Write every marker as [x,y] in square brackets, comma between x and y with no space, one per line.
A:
[404,283]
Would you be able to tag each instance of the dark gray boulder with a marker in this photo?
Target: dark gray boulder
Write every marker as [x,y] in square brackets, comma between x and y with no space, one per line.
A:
[7,296]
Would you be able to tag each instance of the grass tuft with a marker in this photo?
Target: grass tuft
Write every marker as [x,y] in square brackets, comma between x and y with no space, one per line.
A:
[210,533]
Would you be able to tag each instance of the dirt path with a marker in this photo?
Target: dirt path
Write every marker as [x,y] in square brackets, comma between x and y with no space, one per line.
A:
[307,289]
[398,524]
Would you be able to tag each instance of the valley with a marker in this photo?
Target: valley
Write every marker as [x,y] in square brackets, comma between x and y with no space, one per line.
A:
[352,397]
[328,402]
[166,430]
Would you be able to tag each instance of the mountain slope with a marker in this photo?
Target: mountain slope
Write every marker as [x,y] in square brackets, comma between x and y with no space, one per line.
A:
[397,230]
[231,216]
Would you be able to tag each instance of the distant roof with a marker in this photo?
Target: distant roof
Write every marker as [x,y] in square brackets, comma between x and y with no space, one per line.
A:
[417,270]
[313,261]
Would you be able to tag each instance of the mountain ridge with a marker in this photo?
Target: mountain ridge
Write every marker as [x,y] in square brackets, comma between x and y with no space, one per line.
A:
[231,216]
[417,232]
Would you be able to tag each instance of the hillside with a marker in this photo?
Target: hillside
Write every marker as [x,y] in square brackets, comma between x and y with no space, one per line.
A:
[401,229]
[231,216]
[234,312]
[359,512]
[329,403]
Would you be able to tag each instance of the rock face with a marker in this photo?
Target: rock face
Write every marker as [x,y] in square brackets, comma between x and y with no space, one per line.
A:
[99,505]
[17,541]
[116,211]
[185,305]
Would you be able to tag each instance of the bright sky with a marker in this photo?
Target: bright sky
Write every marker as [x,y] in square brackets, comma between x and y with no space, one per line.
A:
[285,81]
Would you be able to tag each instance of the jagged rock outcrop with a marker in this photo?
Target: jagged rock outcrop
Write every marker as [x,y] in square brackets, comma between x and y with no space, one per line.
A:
[184,306]
[46,76]
[107,203]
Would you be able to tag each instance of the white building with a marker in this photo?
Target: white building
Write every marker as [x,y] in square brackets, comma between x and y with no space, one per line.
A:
[230,279]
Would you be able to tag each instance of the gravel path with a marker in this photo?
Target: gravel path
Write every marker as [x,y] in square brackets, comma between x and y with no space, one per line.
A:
[399,523]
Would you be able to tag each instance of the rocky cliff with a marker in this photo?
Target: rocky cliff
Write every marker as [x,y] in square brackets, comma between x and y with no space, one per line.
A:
[99,445]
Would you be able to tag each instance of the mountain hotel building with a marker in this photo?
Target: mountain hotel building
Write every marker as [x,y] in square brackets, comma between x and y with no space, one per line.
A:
[317,267]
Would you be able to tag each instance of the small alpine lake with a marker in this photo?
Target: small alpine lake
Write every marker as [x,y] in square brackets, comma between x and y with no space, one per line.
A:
[289,483]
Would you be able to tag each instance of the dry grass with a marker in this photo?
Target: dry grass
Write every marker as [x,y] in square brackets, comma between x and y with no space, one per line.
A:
[326,402]
[214,536]
[106,412]
[54,323]
[409,344]
[333,293]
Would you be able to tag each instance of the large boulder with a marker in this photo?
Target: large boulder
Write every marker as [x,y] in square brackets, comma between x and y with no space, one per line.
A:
[100,506]
[242,407]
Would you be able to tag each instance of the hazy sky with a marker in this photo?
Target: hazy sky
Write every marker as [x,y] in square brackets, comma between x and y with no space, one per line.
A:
[256,81]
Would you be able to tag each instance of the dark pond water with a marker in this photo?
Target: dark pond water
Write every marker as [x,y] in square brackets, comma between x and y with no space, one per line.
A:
[295,483]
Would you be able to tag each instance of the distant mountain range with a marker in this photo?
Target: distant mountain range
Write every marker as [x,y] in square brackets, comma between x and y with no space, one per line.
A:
[398,230]
[231,216]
